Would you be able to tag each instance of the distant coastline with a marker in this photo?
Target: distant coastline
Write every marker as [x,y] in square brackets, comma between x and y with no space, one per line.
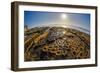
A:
[65,26]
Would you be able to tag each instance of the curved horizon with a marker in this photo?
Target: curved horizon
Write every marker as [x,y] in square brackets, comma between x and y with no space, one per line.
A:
[38,19]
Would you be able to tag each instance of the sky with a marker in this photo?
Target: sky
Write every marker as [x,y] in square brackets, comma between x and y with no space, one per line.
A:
[37,18]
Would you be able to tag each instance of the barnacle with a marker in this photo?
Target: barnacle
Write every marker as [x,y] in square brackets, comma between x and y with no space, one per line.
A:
[53,43]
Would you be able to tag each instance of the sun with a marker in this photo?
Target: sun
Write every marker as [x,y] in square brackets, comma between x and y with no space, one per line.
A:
[64,16]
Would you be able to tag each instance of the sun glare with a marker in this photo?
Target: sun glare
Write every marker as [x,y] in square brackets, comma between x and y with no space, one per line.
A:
[64,16]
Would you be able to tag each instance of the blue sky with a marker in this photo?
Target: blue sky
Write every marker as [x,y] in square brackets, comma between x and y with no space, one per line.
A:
[36,18]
